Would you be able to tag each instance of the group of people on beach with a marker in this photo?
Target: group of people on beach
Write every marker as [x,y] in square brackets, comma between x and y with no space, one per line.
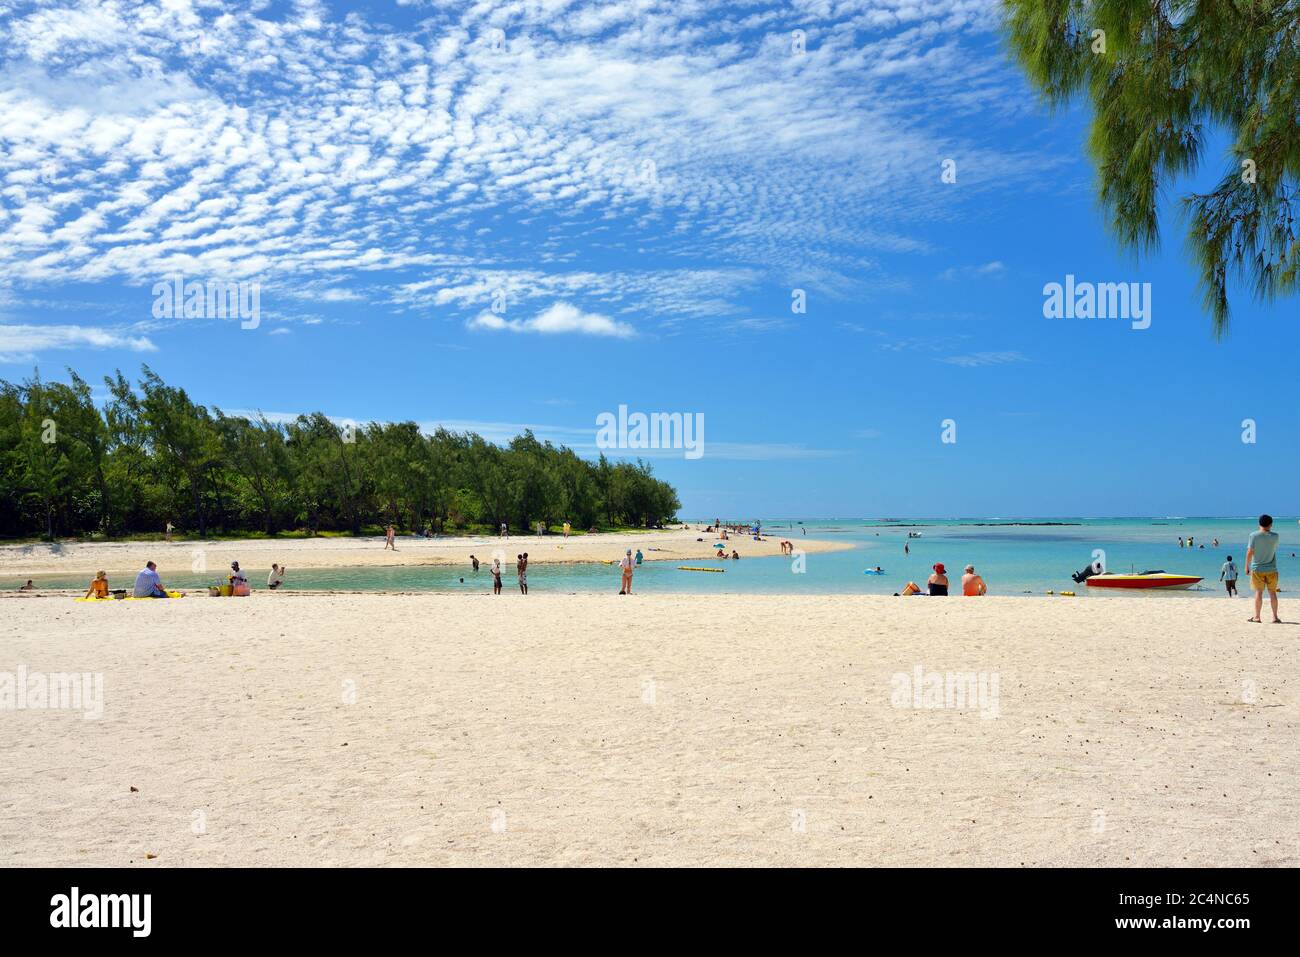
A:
[972,584]
[1261,563]
[148,583]
[521,572]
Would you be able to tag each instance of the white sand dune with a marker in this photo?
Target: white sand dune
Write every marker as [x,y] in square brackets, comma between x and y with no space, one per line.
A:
[594,729]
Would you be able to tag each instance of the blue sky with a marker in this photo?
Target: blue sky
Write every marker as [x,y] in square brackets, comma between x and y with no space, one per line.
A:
[647,182]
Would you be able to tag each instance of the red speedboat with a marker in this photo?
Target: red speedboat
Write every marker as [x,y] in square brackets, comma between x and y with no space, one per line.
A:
[1153,579]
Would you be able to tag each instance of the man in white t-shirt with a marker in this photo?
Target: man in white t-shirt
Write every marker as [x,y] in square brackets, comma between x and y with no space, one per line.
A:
[276,578]
[627,563]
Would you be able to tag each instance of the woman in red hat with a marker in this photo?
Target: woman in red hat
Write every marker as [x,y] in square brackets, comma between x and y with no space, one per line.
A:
[938,582]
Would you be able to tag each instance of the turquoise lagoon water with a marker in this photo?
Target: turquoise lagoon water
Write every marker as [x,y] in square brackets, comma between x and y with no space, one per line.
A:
[1015,556]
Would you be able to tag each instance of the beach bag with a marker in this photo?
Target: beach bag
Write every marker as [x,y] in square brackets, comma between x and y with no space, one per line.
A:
[242,590]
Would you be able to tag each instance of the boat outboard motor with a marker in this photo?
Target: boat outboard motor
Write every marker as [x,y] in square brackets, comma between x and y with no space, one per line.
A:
[1082,576]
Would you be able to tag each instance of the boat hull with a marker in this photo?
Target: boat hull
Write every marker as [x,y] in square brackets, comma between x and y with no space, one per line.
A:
[1161,582]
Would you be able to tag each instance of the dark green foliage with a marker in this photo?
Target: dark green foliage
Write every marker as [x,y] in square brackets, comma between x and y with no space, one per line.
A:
[1170,70]
[150,455]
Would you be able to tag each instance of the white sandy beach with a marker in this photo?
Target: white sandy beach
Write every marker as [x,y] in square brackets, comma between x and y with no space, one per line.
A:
[593,729]
[85,558]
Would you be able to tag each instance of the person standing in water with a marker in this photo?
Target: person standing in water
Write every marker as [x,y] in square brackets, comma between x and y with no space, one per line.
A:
[1228,575]
[496,576]
[521,568]
[1261,562]
[627,563]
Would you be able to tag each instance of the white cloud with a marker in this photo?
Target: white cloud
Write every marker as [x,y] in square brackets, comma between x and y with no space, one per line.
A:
[159,137]
[560,319]
[974,359]
[22,343]
[986,271]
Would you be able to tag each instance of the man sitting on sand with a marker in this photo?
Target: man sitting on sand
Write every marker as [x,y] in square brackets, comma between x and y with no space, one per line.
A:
[238,581]
[148,584]
[99,586]
[1261,560]
[276,578]
[972,584]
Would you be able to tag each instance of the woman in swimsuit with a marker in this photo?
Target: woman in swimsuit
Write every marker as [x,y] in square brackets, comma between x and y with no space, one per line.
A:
[99,587]
[938,582]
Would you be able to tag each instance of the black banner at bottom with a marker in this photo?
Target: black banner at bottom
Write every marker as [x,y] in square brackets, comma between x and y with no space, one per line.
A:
[340,906]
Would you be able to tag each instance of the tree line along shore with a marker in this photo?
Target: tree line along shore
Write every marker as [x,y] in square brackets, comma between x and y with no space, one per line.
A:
[150,456]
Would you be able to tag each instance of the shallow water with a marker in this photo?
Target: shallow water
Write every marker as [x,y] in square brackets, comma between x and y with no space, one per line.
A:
[1013,558]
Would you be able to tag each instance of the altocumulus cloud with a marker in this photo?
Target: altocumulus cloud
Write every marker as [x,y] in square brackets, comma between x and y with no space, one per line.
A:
[561,318]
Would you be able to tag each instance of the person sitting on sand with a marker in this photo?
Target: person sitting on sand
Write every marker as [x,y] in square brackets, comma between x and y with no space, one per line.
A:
[938,581]
[735,555]
[29,586]
[474,562]
[276,578]
[496,576]
[972,584]
[721,553]
[148,584]
[238,581]
[99,586]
